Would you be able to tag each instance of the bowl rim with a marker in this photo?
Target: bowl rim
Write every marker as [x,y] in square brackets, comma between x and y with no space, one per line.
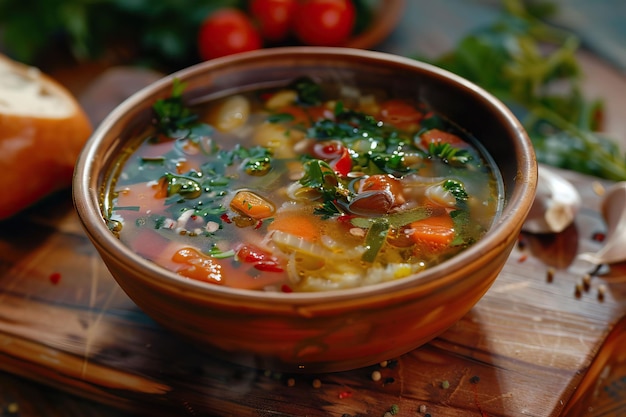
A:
[386,15]
[85,190]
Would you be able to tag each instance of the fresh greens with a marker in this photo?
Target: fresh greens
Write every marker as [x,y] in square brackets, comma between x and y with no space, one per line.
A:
[396,220]
[157,34]
[532,67]
[375,238]
[308,91]
[449,153]
[161,35]
[319,176]
[171,114]
[374,148]
[457,189]
[181,185]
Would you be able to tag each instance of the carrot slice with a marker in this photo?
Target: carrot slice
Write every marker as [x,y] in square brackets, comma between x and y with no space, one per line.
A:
[252,205]
[433,234]
[297,224]
[198,266]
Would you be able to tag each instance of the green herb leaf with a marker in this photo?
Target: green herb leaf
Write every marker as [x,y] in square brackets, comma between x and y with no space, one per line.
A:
[319,176]
[456,188]
[309,92]
[448,153]
[375,238]
[527,58]
[183,186]
[395,220]
[171,113]
[280,118]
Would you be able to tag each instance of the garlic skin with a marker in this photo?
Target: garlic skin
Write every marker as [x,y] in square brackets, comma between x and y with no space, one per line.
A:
[556,204]
[614,212]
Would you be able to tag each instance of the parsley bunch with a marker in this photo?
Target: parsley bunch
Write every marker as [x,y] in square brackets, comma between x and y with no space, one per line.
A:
[533,68]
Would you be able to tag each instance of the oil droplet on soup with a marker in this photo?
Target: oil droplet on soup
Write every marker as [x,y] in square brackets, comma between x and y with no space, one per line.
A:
[302,188]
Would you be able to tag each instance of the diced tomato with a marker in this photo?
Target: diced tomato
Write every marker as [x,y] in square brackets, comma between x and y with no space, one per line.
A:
[268,266]
[343,164]
[336,154]
[439,136]
[400,114]
[251,254]
[260,260]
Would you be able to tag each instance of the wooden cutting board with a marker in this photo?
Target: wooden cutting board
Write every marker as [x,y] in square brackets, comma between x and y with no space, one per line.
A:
[531,346]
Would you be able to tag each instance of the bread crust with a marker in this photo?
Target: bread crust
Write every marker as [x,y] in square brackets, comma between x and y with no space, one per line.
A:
[38,151]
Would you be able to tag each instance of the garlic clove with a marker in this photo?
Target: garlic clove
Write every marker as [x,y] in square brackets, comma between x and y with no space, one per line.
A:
[614,213]
[555,206]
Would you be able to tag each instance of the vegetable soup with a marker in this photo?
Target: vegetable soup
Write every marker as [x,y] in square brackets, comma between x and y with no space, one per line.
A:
[306,187]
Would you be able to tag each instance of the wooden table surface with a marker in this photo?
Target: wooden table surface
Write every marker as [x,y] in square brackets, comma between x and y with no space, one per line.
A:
[73,344]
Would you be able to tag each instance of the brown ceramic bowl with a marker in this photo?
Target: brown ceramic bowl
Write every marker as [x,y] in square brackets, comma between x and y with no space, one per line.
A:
[329,331]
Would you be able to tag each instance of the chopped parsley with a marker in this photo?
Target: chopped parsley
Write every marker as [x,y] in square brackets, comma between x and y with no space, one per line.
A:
[449,154]
[309,92]
[171,114]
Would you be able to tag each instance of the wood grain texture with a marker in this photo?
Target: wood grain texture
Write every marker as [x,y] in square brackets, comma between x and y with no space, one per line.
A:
[531,346]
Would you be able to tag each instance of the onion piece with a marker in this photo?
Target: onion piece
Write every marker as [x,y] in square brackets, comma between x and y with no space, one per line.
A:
[294,243]
[440,196]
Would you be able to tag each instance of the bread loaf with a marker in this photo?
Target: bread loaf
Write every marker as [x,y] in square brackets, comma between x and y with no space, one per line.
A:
[42,130]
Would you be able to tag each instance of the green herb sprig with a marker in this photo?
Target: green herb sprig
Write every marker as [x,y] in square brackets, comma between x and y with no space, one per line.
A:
[319,176]
[527,58]
[171,113]
[449,154]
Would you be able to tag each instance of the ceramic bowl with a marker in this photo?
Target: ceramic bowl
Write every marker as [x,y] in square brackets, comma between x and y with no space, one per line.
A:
[329,331]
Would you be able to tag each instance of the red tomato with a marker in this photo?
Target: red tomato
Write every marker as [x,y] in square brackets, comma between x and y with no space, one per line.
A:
[440,136]
[324,22]
[227,31]
[401,114]
[273,17]
[261,260]
[343,164]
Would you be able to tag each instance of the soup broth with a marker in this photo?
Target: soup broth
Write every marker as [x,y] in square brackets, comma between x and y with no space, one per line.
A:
[306,187]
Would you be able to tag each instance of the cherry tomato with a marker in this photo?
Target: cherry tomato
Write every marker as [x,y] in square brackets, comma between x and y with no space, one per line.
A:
[324,22]
[273,17]
[227,31]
